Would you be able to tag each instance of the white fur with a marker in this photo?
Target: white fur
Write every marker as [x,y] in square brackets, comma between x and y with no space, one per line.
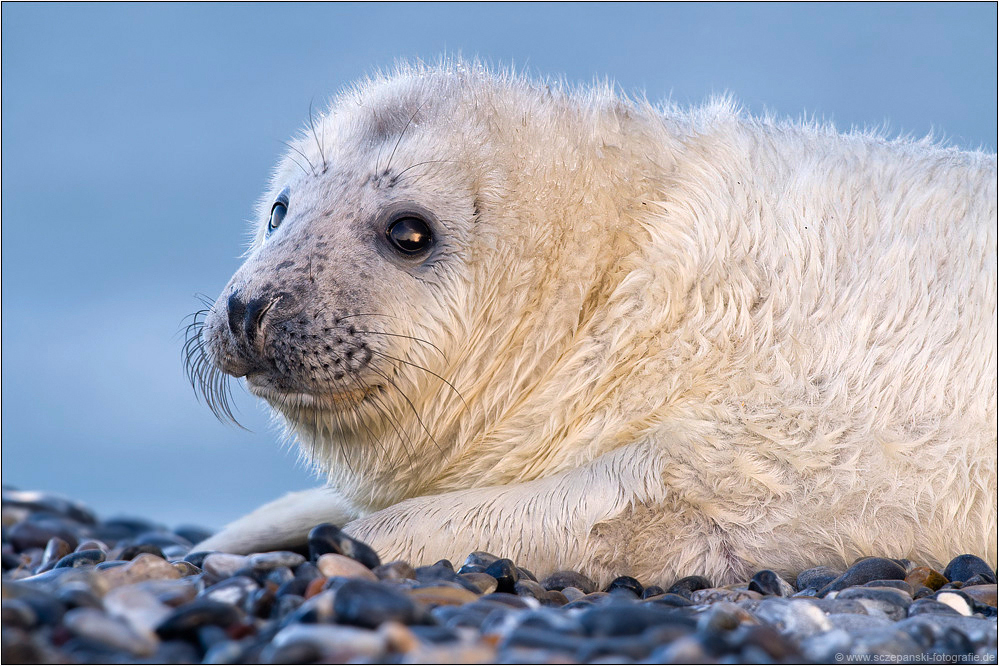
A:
[687,341]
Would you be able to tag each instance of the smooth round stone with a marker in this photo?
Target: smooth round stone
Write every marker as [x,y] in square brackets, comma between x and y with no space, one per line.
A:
[441,596]
[188,618]
[482,581]
[307,570]
[526,573]
[858,623]
[770,583]
[367,604]
[625,584]
[130,527]
[623,619]
[963,567]
[888,600]
[505,573]
[652,591]
[864,571]
[224,565]
[793,617]
[983,594]
[480,558]
[471,568]
[669,599]
[94,625]
[330,639]
[537,639]
[233,591]
[300,586]
[79,595]
[930,607]
[530,588]
[136,605]
[279,576]
[506,599]
[816,578]
[684,650]
[713,594]
[328,538]
[926,577]
[554,598]
[34,501]
[398,637]
[955,601]
[884,643]
[133,551]
[686,586]
[17,613]
[563,579]
[143,567]
[723,616]
[897,584]
[571,593]
[397,570]
[331,564]
[36,533]
[275,560]
[81,558]
[55,550]
[185,569]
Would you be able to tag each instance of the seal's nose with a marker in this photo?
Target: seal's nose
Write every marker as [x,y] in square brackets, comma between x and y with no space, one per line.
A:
[246,319]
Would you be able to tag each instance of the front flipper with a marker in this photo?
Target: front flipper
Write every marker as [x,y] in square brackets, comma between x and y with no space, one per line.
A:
[543,524]
[283,523]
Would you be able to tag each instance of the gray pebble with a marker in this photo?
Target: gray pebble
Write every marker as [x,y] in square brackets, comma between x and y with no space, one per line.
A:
[275,560]
[563,579]
[893,603]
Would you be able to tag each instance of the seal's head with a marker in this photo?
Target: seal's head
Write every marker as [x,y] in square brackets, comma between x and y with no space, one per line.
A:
[428,234]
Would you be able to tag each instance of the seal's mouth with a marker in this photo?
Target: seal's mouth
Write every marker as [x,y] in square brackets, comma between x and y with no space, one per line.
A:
[260,386]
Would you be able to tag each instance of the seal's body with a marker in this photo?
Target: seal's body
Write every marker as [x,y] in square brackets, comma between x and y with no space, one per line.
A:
[621,339]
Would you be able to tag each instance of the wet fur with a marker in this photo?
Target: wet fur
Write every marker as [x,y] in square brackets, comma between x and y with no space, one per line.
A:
[654,342]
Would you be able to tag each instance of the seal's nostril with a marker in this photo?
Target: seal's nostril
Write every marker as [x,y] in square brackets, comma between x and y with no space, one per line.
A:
[236,310]
[253,320]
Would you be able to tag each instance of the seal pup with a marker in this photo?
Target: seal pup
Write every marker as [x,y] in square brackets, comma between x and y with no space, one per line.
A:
[584,332]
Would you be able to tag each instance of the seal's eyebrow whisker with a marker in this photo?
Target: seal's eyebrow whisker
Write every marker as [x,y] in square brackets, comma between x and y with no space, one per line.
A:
[319,145]
[388,165]
[304,156]
[413,166]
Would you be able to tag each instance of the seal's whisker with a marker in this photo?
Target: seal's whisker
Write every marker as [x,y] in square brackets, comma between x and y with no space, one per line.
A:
[210,384]
[428,371]
[398,335]
[405,397]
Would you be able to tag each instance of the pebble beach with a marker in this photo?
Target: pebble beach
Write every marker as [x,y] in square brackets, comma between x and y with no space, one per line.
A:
[78,589]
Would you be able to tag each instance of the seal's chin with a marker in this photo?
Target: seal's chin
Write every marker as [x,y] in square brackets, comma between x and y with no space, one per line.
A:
[261,386]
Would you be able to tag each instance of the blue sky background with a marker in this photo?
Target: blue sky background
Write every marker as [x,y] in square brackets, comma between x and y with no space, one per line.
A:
[137,137]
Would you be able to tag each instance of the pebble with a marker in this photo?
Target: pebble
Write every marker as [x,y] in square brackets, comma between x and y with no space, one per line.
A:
[768,582]
[94,625]
[128,590]
[331,564]
[368,604]
[563,579]
[327,538]
[864,571]
[926,577]
[964,567]
[224,565]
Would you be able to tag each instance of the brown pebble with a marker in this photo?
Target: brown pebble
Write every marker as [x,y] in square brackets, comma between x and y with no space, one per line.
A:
[398,637]
[315,586]
[983,594]
[145,566]
[484,582]
[440,595]
[926,577]
[331,565]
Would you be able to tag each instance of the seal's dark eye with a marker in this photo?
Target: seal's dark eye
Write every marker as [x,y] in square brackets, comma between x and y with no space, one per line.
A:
[409,235]
[278,211]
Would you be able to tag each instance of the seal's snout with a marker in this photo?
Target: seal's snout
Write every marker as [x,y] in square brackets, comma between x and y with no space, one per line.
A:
[246,319]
